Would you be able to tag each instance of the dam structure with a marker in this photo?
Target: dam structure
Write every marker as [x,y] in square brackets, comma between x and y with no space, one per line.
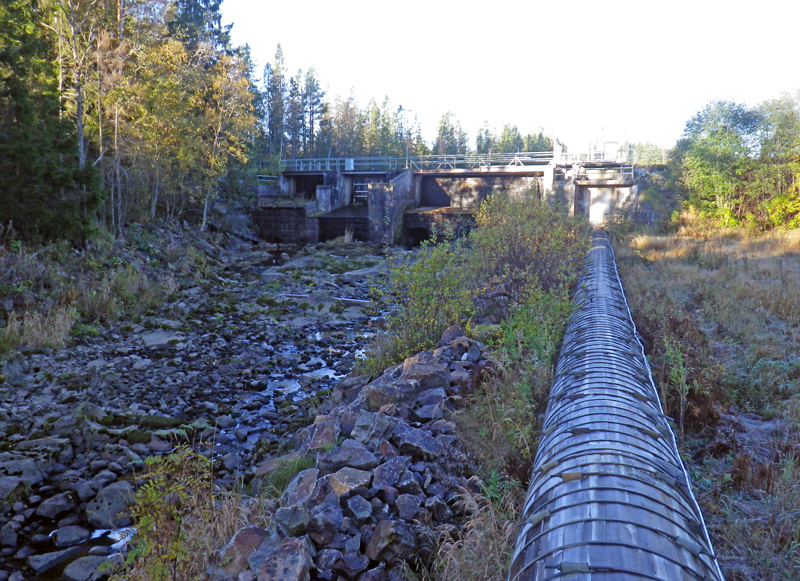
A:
[396,200]
[609,497]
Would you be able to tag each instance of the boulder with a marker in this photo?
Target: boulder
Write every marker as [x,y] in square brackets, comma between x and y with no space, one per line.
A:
[325,521]
[416,442]
[351,454]
[102,511]
[57,505]
[346,479]
[383,392]
[291,561]
[84,569]
[391,542]
[233,558]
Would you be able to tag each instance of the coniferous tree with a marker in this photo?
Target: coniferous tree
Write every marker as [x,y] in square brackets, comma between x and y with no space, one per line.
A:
[44,189]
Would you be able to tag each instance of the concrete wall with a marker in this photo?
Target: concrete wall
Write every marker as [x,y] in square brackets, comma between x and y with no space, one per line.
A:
[468,192]
[288,225]
[388,203]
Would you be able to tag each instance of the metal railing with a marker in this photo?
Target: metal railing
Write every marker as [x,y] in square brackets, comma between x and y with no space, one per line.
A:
[467,161]
[626,156]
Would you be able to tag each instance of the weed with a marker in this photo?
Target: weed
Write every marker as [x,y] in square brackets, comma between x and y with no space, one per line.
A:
[277,480]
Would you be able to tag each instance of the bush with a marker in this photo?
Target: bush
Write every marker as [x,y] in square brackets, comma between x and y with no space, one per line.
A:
[178,490]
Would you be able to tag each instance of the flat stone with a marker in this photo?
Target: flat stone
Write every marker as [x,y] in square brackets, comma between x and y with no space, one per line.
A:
[42,563]
[430,412]
[70,535]
[346,479]
[351,454]
[56,505]
[160,338]
[83,569]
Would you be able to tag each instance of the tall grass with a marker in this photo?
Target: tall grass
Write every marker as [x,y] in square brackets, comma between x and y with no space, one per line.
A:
[720,313]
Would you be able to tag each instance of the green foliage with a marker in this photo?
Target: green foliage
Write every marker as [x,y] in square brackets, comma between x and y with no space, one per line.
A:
[521,244]
[739,166]
[43,189]
[432,291]
[277,480]
[178,489]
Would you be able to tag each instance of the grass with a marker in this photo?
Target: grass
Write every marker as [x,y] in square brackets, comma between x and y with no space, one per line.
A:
[720,315]
[55,291]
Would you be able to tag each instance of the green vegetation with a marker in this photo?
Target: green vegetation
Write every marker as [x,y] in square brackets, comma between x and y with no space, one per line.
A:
[517,266]
[738,166]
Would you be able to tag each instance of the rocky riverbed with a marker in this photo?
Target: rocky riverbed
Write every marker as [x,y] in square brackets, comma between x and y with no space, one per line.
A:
[245,355]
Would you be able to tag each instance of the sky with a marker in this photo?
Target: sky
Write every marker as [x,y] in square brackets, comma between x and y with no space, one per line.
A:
[584,71]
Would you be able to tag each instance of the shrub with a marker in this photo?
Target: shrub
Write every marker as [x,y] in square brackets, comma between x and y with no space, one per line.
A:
[178,490]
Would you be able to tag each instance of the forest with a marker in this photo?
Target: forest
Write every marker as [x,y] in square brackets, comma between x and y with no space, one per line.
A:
[113,112]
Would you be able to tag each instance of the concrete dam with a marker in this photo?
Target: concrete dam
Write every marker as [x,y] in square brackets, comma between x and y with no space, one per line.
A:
[404,200]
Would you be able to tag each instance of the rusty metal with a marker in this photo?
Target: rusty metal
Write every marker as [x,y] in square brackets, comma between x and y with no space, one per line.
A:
[609,497]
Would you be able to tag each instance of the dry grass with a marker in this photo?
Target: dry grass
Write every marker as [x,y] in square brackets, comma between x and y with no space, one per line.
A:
[51,329]
[482,551]
[731,301]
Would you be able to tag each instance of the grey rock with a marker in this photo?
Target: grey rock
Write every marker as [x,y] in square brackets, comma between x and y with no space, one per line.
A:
[67,536]
[360,508]
[429,412]
[408,483]
[226,422]
[416,442]
[351,453]
[388,473]
[293,519]
[8,534]
[103,510]
[291,561]
[371,428]
[384,391]
[391,542]
[9,484]
[324,523]
[438,509]
[300,488]
[353,563]
[45,562]
[83,569]
[327,559]
[346,479]
[231,461]
[427,375]
[58,504]
[233,558]
[407,506]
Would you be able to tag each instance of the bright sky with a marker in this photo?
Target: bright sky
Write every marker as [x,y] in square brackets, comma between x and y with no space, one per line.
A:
[582,70]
